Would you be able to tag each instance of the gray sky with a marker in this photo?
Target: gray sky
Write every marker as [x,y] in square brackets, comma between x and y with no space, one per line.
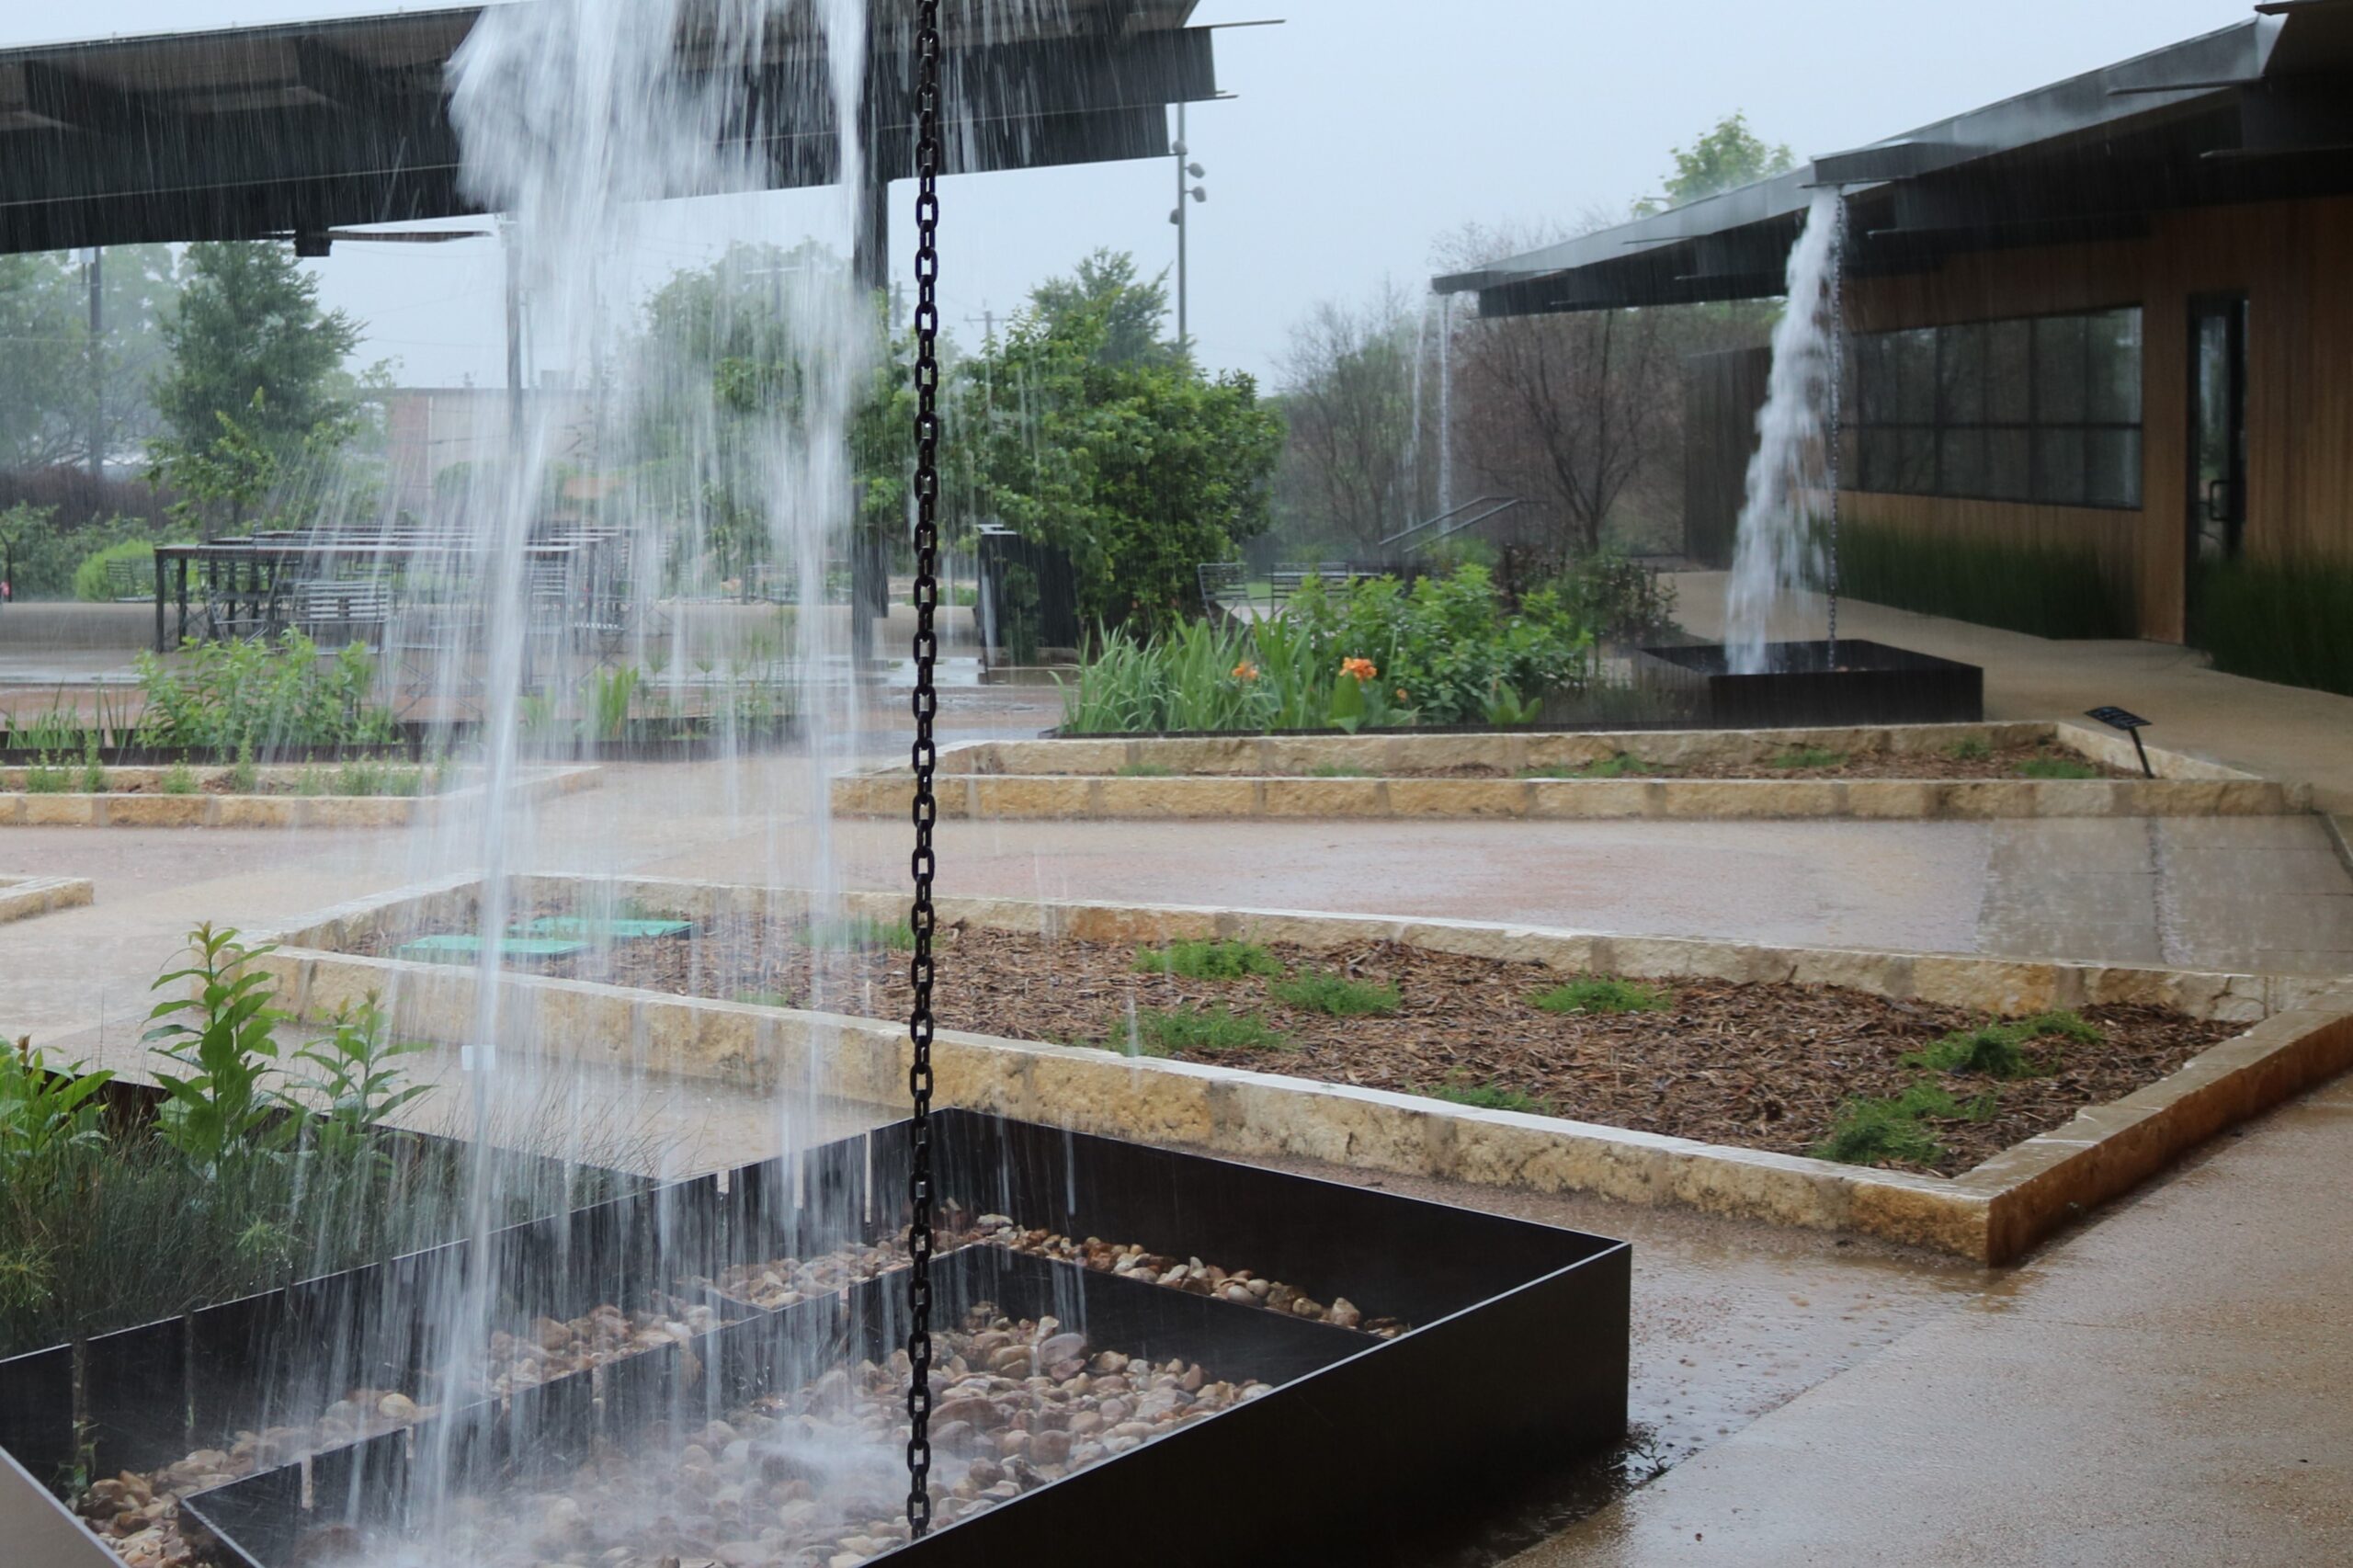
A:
[1362,129]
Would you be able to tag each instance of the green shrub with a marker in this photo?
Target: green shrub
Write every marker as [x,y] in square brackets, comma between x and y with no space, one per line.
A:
[90,578]
[1168,1031]
[45,777]
[94,772]
[245,779]
[179,779]
[1970,748]
[1337,996]
[2057,767]
[1449,651]
[1622,600]
[2284,621]
[1595,994]
[45,1109]
[1209,960]
[227,697]
[1490,1096]
[2045,590]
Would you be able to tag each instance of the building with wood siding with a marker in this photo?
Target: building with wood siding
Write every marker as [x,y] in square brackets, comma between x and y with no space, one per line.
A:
[2110,321]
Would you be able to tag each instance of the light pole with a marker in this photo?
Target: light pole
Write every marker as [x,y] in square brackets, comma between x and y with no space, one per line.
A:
[1199,193]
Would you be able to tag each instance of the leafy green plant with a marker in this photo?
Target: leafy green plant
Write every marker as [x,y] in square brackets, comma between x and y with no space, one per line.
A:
[45,777]
[45,1111]
[1599,994]
[224,696]
[1209,960]
[1490,1096]
[94,772]
[2057,767]
[1337,996]
[611,693]
[1999,1049]
[356,1079]
[179,779]
[245,778]
[1970,748]
[358,778]
[93,580]
[1618,765]
[1809,756]
[1889,1131]
[217,1112]
[1175,1029]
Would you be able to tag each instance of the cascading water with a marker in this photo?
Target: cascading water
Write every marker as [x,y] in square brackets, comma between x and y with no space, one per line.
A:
[1782,543]
[1444,404]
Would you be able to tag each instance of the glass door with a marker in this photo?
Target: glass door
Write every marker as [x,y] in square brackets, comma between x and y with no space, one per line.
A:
[2217,438]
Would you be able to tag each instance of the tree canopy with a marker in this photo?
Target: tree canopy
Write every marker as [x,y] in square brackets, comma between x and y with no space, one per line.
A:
[250,343]
[1729,155]
[1081,427]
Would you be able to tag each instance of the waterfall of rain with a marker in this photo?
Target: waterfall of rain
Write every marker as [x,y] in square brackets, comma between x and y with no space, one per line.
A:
[1793,479]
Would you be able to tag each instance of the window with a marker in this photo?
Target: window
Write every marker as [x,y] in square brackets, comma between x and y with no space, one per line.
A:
[2045,409]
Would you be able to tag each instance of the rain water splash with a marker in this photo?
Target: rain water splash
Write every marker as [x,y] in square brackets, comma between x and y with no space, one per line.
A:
[1782,543]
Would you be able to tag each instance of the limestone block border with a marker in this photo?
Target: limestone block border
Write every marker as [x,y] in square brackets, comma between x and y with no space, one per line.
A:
[20,809]
[1272,777]
[2300,1034]
[22,898]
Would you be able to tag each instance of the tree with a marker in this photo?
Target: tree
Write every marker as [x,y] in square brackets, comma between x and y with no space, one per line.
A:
[248,341]
[43,337]
[1725,157]
[1349,471]
[1131,312]
[1134,464]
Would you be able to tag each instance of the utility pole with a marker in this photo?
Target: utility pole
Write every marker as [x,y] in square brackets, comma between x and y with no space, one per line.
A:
[1197,193]
[96,271]
[988,320]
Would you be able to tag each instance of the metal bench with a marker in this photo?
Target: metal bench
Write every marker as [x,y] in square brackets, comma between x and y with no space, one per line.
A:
[333,612]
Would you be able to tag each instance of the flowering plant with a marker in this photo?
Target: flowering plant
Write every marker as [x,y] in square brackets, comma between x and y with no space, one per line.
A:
[1363,669]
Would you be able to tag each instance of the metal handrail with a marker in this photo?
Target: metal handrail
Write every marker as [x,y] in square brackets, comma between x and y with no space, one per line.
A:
[1452,512]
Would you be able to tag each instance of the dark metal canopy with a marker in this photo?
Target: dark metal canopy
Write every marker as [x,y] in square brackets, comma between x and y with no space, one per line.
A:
[297,129]
[2259,111]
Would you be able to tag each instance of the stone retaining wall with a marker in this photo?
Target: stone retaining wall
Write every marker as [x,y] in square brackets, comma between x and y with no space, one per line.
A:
[2304,1033]
[21,898]
[1248,776]
[18,808]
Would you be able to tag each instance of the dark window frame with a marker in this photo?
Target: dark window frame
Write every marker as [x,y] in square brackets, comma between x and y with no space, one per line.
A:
[2040,487]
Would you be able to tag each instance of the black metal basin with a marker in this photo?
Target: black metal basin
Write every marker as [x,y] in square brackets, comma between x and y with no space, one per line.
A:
[1809,685]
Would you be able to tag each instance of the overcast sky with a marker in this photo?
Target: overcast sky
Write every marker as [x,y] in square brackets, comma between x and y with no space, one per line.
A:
[1360,131]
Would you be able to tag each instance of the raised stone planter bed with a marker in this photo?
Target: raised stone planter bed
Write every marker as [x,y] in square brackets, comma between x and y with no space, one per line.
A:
[1908,776]
[21,898]
[2301,1031]
[141,803]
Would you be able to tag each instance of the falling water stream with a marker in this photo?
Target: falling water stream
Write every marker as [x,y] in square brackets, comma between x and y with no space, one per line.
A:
[1783,541]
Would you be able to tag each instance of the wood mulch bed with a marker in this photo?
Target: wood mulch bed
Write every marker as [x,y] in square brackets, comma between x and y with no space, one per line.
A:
[1761,1067]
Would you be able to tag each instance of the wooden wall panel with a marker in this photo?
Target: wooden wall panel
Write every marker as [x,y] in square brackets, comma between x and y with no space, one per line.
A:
[2294,261]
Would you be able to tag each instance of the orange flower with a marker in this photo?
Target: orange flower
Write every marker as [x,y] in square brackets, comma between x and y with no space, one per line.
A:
[1245,671]
[1363,669]
[1400,694]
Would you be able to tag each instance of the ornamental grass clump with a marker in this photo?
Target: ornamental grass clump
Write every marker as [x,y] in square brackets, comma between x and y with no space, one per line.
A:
[1209,960]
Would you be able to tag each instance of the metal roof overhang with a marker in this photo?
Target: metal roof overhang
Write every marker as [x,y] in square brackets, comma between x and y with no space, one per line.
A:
[250,133]
[2258,111]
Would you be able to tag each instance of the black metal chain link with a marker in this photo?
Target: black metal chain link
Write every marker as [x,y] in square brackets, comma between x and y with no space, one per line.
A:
[926,758]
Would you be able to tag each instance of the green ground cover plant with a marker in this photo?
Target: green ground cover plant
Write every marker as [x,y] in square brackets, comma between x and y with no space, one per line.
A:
[1891,1132]
[1602,993]
[1337,996]
[1209,960]
[859,931]
[1970,748]
[1489,1095]
[2057,767]
[1809,756]
[1168,1031]
[2003,1049]
[1340,770]
[45,777]
[179,779]
[266,1162]
[1146,770]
